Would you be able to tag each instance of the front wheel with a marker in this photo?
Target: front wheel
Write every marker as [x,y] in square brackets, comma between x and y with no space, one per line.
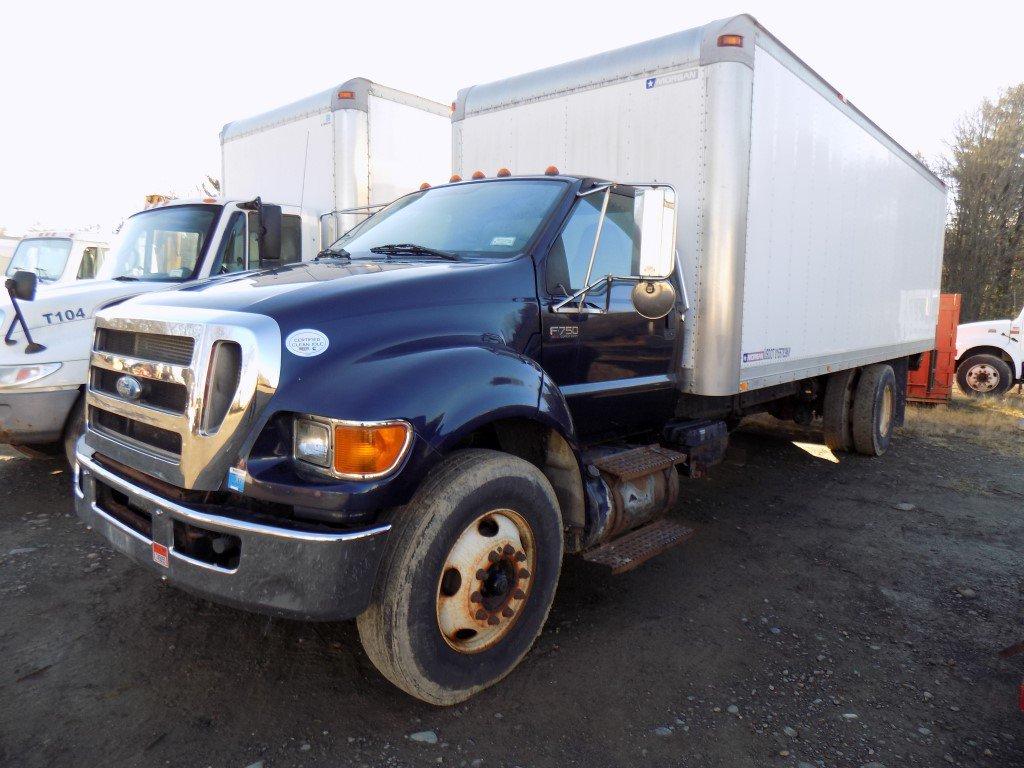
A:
[984,376]
[468,578]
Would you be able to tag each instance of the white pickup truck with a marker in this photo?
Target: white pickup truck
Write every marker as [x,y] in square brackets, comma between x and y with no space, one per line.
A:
[989,357]
[324,161]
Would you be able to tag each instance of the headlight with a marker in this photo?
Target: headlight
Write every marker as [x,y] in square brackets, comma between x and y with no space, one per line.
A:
[353,450]
[313,442]
[16,375]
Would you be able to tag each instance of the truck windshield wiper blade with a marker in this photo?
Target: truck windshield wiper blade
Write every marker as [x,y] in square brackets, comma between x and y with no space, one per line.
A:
[327,253]
[413,248]
[126,279]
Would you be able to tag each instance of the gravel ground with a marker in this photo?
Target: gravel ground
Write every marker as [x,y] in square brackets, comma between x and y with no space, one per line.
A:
[826,614]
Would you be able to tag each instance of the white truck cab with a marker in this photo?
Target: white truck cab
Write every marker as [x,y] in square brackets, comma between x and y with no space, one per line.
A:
[989,356]
[59,258]
[294,178]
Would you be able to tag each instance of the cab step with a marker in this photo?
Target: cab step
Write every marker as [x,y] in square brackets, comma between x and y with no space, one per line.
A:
[638,546]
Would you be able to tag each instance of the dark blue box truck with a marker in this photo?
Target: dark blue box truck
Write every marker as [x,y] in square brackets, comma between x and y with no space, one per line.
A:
[491,373]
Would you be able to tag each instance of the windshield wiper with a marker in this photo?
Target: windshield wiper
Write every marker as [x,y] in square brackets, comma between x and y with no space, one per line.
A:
[126,279]
[327,253]
[413,248]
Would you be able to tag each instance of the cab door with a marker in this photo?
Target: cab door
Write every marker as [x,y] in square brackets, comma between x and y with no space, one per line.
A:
[618,381]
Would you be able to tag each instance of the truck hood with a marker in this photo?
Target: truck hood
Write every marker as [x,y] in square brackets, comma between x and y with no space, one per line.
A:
[324,292]
[983,326]
[374,309]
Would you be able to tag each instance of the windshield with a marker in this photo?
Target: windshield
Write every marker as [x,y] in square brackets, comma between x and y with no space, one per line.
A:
[46,256]
[482,219]
[161,244]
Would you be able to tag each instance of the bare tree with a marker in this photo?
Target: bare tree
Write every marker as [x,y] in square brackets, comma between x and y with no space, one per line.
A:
[984,257]
[210,187]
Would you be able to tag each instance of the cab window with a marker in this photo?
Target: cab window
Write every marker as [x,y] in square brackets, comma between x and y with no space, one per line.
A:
[92,260]
[231,257]
[291,240]
[618,252]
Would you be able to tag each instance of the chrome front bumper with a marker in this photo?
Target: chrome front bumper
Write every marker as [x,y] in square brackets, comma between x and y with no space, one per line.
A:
[284,572]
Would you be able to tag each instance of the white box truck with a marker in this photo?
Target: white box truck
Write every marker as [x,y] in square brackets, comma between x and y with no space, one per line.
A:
[289,177]
[490,373]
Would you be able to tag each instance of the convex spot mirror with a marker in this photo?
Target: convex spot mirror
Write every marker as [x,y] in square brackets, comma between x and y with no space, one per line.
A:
[654,210]
[22,286]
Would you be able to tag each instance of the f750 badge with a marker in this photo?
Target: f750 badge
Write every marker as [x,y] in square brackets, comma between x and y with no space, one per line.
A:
[64,316]
[564,331]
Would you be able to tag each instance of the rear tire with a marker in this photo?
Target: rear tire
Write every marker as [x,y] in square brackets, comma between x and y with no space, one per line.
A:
[435,535]
[984,376]
[838,410]
[874,409]
[74,429]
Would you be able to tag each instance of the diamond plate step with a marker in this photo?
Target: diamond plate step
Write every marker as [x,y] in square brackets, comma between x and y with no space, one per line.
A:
[637,547]
[637,462]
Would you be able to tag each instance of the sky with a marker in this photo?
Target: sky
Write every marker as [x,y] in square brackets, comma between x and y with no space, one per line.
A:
[102,103]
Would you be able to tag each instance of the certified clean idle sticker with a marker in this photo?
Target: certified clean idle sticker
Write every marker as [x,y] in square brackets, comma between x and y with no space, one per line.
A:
[307,342]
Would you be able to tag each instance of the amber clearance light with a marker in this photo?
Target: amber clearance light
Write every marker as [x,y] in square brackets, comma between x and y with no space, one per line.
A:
[730,41]
[369,450]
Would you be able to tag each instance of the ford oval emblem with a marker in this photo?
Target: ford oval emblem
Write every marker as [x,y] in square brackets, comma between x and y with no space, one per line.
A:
[129,388]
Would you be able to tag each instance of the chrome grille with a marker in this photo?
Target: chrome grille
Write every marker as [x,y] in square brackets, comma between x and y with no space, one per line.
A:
[201,381]
[176,350]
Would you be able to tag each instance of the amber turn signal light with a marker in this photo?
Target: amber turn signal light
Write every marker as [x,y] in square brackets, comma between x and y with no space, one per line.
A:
[370,449]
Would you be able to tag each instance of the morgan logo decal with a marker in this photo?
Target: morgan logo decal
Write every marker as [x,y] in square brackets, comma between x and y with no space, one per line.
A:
[771,353]
[307,342]
[564,331]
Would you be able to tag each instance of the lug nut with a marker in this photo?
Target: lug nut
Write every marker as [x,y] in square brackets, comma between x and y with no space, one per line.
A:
[507,612]
[476,597]
[493,557]
[521,557]
[508,550]
[493,621]
[523,573]
[481,615]
[519,594]
[481,574]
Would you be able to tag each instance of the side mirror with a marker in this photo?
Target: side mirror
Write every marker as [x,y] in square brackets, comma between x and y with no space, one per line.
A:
[654,210]
[653,299]
[23,285]
[270,233]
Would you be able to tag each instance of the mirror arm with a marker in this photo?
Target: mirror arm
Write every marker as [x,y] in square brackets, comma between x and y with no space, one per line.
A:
[597,237]
[31,347]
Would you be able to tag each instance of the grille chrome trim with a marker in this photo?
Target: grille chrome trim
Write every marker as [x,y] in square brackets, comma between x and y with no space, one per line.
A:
[143,369]
[205,457]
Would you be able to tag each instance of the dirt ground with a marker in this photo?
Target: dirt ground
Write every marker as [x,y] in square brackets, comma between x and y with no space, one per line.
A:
[828,613]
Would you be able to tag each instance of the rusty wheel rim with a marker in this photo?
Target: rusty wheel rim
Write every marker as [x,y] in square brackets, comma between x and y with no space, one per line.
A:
[983,378]
[485,581]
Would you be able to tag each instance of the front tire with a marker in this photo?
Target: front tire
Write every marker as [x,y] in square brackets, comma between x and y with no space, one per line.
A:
[984,376]
[468,577]
[874,409]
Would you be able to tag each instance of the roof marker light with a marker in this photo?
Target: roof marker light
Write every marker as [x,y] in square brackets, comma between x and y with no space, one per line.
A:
[478,175]
[503,172]
[551,171]
[730,41]
[455,177]
[425,185]
[452,108]
[346,94]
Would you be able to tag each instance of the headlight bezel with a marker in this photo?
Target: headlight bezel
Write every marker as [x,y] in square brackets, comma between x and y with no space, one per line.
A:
[9,372]
[332,426]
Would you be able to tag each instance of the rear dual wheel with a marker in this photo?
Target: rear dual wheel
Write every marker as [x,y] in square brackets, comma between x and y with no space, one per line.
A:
[860,409]
[468,577]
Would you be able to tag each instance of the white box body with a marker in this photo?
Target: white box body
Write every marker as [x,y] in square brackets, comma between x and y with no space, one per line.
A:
[809,240]
[356,145]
